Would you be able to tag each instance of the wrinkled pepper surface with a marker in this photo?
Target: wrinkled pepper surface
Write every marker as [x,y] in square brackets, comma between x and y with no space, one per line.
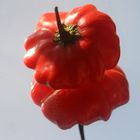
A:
[74,56]
[84,105]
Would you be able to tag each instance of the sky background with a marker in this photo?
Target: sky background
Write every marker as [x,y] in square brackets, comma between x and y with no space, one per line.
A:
[20,119]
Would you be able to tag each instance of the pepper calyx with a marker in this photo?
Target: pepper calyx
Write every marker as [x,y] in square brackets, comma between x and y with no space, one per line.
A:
[66,34]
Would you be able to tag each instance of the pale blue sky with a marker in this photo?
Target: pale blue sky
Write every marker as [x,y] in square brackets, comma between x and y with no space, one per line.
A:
[20,119]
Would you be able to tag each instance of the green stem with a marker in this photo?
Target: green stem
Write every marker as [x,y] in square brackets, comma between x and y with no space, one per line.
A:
[63,33]
[81,130]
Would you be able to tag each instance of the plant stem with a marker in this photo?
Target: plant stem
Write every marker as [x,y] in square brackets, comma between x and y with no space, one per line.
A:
[63,33]
[81,130]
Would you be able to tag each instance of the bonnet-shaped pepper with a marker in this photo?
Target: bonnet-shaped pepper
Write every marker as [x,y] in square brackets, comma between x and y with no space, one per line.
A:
[74,56]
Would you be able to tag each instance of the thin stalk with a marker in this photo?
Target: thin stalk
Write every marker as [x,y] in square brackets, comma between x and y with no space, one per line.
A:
[81,130]
[63,33]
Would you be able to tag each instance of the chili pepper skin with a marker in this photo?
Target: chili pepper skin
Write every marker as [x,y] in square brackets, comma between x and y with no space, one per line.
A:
[78,61]
[84,105]
[40,92]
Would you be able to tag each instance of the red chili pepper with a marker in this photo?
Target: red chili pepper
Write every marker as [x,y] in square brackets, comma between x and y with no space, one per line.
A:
[74,56]
[75,52]
[84,105]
